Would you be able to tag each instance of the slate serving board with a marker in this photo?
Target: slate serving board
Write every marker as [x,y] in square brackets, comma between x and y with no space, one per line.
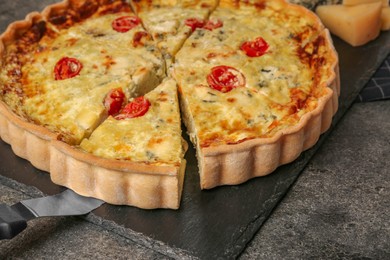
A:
[210,224]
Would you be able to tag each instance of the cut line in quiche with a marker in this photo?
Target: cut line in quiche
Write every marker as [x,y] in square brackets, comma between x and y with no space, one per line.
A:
[86,93]
[171,22]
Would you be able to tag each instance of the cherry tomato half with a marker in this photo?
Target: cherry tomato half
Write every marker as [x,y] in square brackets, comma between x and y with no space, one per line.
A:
[67,68]
[114,101]
[225,78]
[138,107]
[125,23]
[194,23]
[255,48]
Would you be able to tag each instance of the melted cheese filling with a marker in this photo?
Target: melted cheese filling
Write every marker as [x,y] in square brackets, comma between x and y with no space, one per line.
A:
[167,25]
[166,21]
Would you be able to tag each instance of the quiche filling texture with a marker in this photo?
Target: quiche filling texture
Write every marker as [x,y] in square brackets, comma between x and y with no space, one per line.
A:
[105,78]
[171,22]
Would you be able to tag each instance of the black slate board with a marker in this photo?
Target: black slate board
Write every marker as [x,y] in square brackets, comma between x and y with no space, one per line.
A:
[210,224]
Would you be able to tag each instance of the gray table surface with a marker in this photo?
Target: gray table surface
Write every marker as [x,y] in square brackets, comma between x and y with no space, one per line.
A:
[338,208]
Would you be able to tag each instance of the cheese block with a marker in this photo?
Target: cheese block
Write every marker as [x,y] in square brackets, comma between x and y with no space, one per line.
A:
[359,2]
[356,25]
[385,19]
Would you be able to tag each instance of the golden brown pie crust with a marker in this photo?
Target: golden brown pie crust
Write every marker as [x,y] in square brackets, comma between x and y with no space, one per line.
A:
[148,186]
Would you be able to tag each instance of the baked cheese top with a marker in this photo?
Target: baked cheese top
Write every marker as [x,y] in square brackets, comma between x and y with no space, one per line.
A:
[167,21]
[154,138]
[167,25]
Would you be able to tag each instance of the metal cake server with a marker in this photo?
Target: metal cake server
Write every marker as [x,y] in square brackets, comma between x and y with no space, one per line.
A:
[13,219]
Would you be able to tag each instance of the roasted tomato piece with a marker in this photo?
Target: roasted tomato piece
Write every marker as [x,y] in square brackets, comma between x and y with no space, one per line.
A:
[138,107]
[137,38]
[225,78]
[125,23]
[255,48]
[67,68]
[114,101]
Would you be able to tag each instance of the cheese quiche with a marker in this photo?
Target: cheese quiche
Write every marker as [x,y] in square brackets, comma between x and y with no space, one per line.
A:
[90,90]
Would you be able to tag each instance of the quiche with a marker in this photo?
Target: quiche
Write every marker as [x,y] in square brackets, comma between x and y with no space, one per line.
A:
[95,92]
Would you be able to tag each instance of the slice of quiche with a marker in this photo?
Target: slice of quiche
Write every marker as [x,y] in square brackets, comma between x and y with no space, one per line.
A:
[143,150]
[253,88]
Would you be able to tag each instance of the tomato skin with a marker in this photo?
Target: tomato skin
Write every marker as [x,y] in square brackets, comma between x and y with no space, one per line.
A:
[67,68]
[224,78]
[114,100]
[211,25]
[255,48]
[138,107]
[125,23]
[194,23]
